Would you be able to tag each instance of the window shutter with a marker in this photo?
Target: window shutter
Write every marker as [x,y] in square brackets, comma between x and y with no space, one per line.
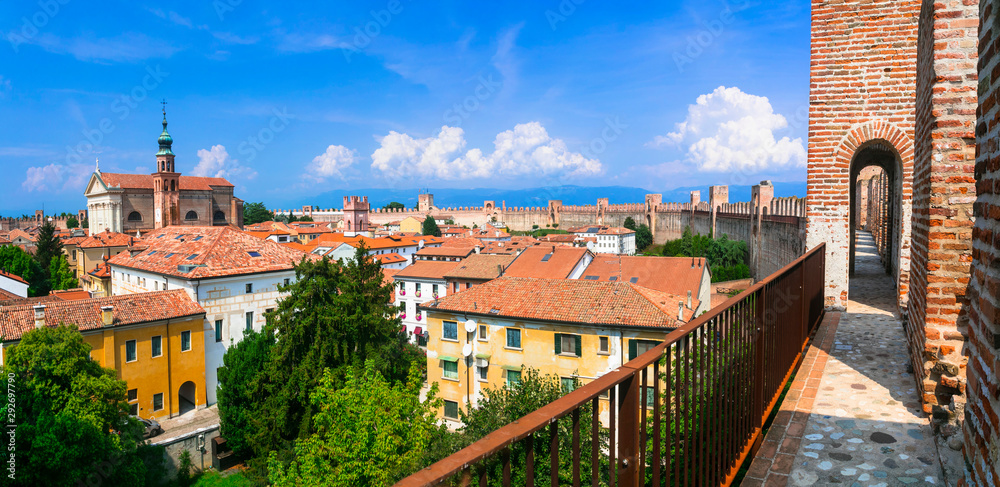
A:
[633,349]
[579,340]
[558,343]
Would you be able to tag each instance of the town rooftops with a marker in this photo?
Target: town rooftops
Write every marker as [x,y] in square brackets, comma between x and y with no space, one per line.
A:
[390,258]
[205,252]
[392,241]
[567,301]
[127,309]
[107,239]
[145,181]
[546,261]
[614,231]
[445,251]
[480,267]
[675,275]
[426,269]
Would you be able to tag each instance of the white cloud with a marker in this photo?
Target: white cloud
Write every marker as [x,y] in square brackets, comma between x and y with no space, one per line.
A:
[526,150]
[217,163]
[127,47]
[57,177]
[333,162]
[729,130]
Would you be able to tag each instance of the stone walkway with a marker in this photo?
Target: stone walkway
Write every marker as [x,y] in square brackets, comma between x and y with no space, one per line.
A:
[864,425]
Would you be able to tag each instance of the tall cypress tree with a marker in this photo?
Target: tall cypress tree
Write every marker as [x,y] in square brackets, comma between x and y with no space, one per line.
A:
[47,247]
[430,227]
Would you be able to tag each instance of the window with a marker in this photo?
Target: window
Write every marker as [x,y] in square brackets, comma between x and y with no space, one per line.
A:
[218,331]
[135,216]
[418,289]
[185,341]
[156,285]
[253,254]
[605,345]
[287,281]
[468,285]
[450,370]
[249,320]
[449,330]
[482,332]
[567,344]
[156,345]
[249,288]
[191,216]
[483,372]
[638,347]
[130,351]
[133,395]
[451,409]
[192,257]
[157,401]
[455,288]
[434,290]
[568,384]
[513,377]
[513,338]
[219,216]
[133,409]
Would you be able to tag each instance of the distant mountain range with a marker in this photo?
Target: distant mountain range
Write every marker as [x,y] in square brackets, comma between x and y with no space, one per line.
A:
[570,195]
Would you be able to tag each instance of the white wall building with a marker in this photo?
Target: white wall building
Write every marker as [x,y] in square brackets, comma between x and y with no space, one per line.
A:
[417,284]
[12,284]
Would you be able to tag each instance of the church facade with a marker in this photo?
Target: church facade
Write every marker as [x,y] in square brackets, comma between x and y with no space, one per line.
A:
[127,203]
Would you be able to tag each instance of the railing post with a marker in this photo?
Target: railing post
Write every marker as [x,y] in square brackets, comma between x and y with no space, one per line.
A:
[628,432]
[758,370]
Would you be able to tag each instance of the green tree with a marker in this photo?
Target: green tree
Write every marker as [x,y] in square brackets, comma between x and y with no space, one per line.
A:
[47,246]
[368,432]
[20,263]
[306,218]
[240,388]
[395,205]
[71,414]
[430,227]
[85,224]
[72,222]
[630,224]
[254,213]
[60,274]
[726,258]
[643,237]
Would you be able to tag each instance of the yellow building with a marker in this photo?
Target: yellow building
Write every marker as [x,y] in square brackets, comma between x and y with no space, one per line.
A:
[154,340]
[412,224]
[92,252]
[485,336]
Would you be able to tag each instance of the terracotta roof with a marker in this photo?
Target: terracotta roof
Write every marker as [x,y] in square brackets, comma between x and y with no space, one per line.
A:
[462,242]
[210,252]
[532,262]
[71,294]
[35,300]
[566,300]
[17,232]
[427,269]
[101,270]
[480,267]
[445,251]
[615,231]
[145,181]
[86,314]
[391,258]
[12,276]
[6,295]
[108,239]
[560,237]
[673,275]
[297,246]
[388,274]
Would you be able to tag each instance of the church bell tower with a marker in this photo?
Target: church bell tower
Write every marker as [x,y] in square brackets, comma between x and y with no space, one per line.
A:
[166,193]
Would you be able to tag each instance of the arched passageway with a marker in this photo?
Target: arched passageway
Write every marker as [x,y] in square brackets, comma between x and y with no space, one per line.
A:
[187,397]
[876,203]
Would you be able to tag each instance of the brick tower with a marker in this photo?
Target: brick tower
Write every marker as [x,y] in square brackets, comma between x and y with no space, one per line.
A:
[356,215]
[861,113]
[166,195]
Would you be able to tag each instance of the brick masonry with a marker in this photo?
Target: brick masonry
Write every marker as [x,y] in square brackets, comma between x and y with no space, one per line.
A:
[981,427]
[862,80]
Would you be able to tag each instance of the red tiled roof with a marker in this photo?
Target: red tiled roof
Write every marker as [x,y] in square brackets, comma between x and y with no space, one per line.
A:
[297,246]
[6,295]
[445,251]
[13,276]
[391,258]
[101,270]
[108,239]
[17,232]
[427,269]
[615,231]
[480,267]
[673,275]
[145,181]
[86,314]
[565,300]
[215,251]
[388,274]
[532,262]
[71,294]
[462,242]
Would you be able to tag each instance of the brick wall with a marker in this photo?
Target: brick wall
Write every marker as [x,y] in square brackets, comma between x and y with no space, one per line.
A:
[862,80]
[982,413]
[943,193]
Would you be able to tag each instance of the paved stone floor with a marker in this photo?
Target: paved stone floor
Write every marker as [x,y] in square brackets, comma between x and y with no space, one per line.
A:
[866,426]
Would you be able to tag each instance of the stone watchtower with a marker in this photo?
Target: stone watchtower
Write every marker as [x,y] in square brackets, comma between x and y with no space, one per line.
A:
[356,215]
[425,202]
[166,193]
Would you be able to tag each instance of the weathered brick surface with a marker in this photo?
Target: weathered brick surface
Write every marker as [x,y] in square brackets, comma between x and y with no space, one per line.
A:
[982,413]
[943,193]
[862,84]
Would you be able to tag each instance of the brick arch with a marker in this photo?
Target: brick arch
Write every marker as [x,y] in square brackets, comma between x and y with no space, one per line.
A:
[873,131]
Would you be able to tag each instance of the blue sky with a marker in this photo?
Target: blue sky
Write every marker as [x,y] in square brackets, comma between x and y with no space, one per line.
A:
[288,101]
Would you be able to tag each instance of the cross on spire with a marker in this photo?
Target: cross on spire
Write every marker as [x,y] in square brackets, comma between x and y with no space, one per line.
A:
[164,103]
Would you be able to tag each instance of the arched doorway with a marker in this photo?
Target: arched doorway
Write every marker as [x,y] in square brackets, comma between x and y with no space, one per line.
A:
[878,193]
[187,397]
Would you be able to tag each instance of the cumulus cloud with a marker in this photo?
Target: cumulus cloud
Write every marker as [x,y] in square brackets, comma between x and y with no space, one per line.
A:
[526,150]
[217,163]
[331,163]
[57,177]
[729,130]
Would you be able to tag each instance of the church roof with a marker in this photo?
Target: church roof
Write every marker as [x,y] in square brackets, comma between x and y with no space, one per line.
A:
[145,181]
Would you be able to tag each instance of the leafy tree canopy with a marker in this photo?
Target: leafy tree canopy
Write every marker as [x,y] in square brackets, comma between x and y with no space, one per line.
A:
[643,237]
[61,276]
[629,223]
[72,222]
[727,258]
[395,205]
[20,263]
[254,213]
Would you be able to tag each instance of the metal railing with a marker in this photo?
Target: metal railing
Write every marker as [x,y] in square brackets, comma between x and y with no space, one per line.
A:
[687,412]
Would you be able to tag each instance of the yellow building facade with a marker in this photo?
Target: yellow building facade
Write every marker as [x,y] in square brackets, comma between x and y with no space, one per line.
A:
[411,225]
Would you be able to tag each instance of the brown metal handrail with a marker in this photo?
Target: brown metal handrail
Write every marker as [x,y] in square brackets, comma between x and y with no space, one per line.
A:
[722,375]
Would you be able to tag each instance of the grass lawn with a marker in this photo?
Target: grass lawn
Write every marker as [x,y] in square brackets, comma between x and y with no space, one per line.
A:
[211,478]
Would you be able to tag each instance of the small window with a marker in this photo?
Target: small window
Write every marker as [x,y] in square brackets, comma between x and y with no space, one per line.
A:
[130,351]
[219,216]
[192,257]
[287,281]
[133,395]
[249,320]
[451,409]
[218,331]
[513,377]
[198,238]
[483,372]
[546,257]
[158,401]
[156,285]
[253,254]
[434,290]
[468,285]
[449,330]
[249,288]
[514,338]
[191,215]
[169,255]
[568,384]
[567,344]
[605,345]
[135,216]
[185,341]
[156,344]
[450,370]
[482,332]
[455,287]
[634,280]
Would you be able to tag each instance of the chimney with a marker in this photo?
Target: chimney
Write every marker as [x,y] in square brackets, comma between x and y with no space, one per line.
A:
[39,315]
[692,262]
[499,270]
[107,315]
[689,299]
[680,310]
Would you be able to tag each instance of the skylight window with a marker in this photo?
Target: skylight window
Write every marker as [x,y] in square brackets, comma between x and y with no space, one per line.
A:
[591,278]
[254,254]
[151,252]
[159,236]
[613,278]
[178,237]
[546,258]
[192,257]
[198,238]
[634,280]
[169,255]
